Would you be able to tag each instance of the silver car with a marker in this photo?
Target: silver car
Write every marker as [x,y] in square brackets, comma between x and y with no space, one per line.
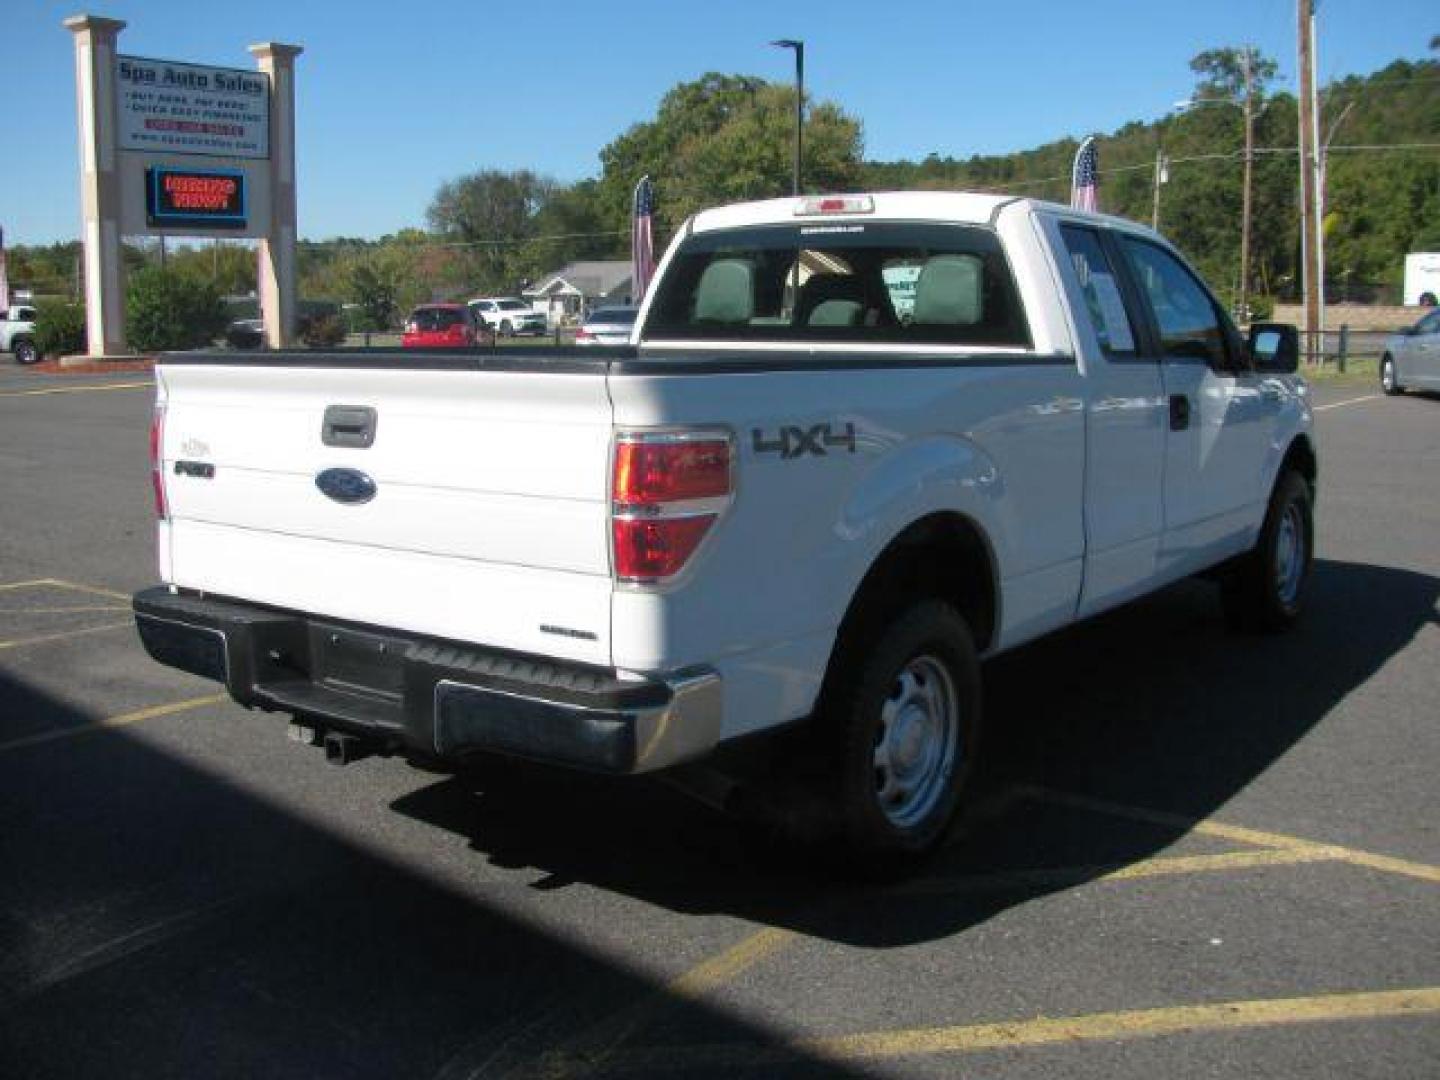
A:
[607,326]
[1411,360]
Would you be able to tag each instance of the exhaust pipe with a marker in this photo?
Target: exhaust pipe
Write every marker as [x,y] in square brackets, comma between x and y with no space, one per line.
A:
[345,749]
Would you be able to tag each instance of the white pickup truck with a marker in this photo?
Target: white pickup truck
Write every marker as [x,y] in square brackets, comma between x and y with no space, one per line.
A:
[17,333]
[860,444]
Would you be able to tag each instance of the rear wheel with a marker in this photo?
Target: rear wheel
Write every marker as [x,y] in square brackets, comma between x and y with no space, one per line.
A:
[1265,590]
[906,724]
[25,352]
[1389,382]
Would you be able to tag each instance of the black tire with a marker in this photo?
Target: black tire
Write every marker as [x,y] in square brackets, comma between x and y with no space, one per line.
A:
[506,328]
[925,654]
[25,351]
[1389,379]
[1264,591]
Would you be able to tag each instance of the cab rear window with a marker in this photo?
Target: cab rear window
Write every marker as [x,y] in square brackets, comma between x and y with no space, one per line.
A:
[871,282]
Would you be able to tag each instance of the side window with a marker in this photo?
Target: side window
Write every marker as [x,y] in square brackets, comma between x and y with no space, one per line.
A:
[1103,300]
[1430,324]
[1187,319]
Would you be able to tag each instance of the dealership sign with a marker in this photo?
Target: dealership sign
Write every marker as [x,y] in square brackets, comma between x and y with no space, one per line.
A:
[166,107]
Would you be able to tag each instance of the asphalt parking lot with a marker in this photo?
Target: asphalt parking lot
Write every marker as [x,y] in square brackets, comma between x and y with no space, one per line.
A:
[1195,853]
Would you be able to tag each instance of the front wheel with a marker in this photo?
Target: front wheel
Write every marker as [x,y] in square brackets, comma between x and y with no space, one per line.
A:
[906,723]
[1389,381]
[25,352]
[1265,590]
[507,329]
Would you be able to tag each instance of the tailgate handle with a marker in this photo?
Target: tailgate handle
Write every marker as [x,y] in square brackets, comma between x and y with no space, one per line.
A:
[348,425]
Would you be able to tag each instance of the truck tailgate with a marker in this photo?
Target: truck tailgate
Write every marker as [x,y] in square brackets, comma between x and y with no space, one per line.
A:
[488,522]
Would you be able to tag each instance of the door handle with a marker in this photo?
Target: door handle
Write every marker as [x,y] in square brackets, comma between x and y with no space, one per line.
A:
[1179,412]
[348,425]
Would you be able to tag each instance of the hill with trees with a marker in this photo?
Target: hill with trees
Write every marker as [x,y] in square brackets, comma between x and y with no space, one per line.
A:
[724,138]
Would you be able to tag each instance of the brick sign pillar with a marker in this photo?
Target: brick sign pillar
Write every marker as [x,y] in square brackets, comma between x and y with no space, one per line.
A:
[277,249]
[99,182]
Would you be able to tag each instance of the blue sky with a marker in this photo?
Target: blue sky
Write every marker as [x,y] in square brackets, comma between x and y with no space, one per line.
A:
[395,98]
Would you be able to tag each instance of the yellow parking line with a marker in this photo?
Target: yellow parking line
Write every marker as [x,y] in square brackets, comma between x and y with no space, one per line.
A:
[152,713]
[74,389]
[61,583]
[13,585]
[1164,866]
[593,1049]
[1385,863]
[44,638]
[1043,1031]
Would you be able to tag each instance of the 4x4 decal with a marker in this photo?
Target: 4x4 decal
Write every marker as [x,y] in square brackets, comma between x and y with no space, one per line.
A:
[793,442]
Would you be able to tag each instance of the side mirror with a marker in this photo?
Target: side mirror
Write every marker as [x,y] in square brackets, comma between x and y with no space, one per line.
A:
[1275,348]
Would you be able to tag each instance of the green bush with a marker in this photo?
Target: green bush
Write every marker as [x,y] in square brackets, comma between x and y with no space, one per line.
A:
[322,331]
[165,310]
[1261,308]
[59,328]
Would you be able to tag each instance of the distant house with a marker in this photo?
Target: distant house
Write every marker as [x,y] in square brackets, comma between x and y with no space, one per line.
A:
[578,287]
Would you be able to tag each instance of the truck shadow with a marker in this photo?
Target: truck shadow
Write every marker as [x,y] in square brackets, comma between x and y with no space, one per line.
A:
[1153,706]
[156,920]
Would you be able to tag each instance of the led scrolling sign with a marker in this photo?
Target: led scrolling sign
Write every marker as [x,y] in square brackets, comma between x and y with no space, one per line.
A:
[195,198]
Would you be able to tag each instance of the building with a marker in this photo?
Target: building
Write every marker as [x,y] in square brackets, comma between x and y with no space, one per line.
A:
[568,293]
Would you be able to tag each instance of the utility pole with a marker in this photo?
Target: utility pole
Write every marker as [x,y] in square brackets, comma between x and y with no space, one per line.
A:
[1247,59]
[1162,174]
[1309,218]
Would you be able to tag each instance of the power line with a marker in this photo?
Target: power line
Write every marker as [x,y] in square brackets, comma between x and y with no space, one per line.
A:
[1230,155]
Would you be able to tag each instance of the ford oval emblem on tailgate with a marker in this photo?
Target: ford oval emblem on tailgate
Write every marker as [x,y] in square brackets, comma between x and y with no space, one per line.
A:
[346,485]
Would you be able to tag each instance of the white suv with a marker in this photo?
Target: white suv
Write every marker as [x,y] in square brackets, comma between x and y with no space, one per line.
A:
[508,316]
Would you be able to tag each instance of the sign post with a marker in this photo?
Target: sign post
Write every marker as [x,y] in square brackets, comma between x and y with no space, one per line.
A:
[99,181]
[277,246]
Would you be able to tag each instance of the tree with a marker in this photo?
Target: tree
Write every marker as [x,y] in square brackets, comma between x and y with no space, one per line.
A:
[375,287]
[493,213]
[166,310]
[722,138]
[1221,72]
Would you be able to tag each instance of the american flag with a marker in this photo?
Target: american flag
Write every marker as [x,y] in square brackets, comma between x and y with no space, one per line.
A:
[642,240]
[1085,178]
[4,276]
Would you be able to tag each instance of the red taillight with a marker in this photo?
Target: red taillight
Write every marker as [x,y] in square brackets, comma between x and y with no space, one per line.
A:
[650,550]
[666,471]
[667,490]
[581,334]
[157,460]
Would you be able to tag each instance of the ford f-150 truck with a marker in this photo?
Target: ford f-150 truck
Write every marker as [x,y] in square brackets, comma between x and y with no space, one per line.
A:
[861,443]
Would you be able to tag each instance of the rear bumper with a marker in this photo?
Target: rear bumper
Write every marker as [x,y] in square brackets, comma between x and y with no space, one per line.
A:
[436,697]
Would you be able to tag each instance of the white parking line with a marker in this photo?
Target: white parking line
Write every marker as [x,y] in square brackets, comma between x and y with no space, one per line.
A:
[1342,404]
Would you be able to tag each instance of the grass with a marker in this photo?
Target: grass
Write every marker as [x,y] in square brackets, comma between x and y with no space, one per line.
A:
[1357,372]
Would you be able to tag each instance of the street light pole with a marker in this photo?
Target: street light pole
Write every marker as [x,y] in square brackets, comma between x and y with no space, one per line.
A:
[1309,205]
[799,48]
[1247,56]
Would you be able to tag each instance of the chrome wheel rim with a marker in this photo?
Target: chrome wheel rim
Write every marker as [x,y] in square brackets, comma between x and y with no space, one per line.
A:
[1387,375]
[917,742]
[1289,555]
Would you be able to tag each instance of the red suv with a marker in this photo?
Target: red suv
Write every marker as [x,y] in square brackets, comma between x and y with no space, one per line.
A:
[444,326]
